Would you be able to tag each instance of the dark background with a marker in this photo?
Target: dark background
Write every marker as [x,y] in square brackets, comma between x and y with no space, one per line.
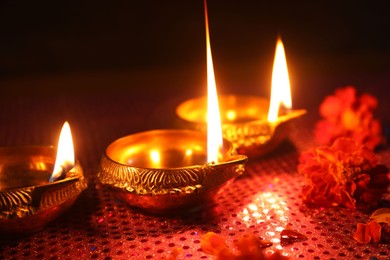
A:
[138,59]
[58,37]
[113,68]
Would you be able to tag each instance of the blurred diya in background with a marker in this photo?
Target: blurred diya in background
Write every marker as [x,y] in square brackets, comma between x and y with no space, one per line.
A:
[254,125]
[31,193]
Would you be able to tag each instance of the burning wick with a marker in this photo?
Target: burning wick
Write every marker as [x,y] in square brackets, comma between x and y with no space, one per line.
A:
[65,154]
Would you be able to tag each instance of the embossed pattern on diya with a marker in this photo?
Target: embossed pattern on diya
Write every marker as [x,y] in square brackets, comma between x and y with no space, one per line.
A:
[28,201]
[244,122]
[178,176]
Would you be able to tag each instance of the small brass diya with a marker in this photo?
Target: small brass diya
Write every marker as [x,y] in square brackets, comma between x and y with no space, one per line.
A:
[244,122]
[165,171]
[28,201]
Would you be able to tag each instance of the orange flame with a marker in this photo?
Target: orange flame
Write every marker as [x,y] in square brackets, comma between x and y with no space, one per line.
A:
[65,153]
[214,129]
[280,87]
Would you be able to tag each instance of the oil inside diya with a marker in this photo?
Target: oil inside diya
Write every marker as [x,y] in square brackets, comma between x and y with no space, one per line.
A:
[244,122]
[165,171]
[28,201]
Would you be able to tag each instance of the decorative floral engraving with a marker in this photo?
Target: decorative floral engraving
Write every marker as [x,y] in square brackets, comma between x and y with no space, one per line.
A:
[148,181]
[59,194]
[21,202]
[13,198]
[16,203]
[248,134]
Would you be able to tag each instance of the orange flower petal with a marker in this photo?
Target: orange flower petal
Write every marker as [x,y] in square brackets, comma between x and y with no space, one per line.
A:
[288,236]
[375,230]
[213,243]
[174,254]
[361,235]
[365,232]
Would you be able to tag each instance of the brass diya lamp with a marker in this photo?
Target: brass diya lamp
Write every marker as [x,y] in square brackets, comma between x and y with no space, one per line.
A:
[173,171]
[31,193]
[244,122]
[253,124]
[165,171]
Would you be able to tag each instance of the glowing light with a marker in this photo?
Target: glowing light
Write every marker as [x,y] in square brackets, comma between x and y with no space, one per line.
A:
[65,153]
[279,229]
[214,129]
[252,207]
[278,247]
[280,86]
[155,158]
[231,115]
[256,215]
[270,233]
[264,208]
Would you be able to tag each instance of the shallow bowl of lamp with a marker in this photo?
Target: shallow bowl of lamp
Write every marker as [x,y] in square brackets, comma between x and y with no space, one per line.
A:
[165,171]
[28,201]
[244,122]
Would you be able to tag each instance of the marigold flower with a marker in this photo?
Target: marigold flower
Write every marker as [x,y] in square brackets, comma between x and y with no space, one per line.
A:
[345,173]
[348,115]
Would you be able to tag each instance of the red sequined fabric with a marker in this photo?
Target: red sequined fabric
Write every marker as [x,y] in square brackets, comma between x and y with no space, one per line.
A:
[264,201]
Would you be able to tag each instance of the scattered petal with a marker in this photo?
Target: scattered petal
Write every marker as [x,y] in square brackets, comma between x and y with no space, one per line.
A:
[213,243]
[381,215]
[174,254]
[375,231]
[366,232]
[247,247]
[265,243]
[289,236]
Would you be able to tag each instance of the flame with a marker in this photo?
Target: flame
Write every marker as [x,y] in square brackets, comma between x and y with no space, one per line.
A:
[65,153]
[280,87]
[214,129]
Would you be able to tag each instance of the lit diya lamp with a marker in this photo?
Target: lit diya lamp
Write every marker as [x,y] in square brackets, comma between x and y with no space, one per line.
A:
[173,171]
[31,193]
[254,125]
